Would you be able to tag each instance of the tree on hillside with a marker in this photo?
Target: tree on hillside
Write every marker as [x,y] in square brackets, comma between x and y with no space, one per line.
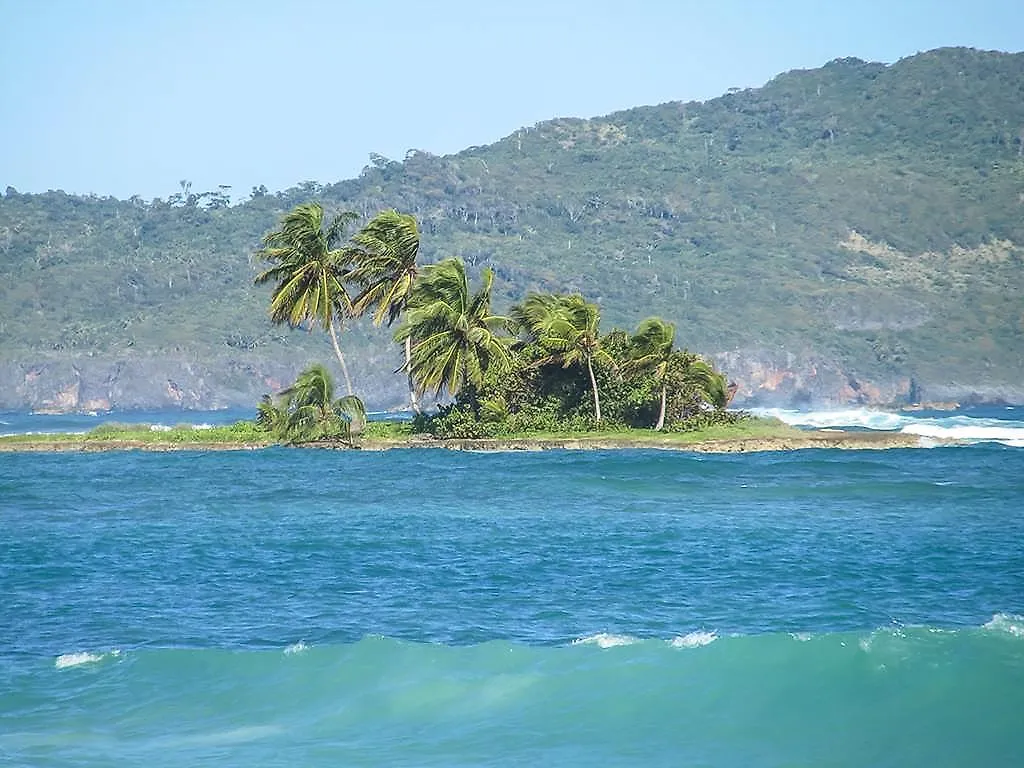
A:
[455,337]
[384,268]
[567,326]
[652,347]
[310,268]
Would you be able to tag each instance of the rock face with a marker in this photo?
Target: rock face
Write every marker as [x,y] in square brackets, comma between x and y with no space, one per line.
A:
[762,378]
[786,379]
[92,384]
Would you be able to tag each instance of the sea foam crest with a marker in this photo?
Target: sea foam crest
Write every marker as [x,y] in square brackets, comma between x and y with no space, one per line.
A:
[295,648]
[66,660]
[1007,623]
[693,639]
[957,427]
[605,640]
[1013,436]
[852,417]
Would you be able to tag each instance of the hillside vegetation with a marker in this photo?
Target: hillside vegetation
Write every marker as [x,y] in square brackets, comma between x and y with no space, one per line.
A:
[848,233]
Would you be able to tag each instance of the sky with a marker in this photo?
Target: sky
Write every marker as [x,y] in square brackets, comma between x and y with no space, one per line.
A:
[129,97]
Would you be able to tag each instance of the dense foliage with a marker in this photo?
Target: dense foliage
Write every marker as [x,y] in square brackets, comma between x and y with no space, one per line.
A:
[541,391]
[864,214]
[307,411]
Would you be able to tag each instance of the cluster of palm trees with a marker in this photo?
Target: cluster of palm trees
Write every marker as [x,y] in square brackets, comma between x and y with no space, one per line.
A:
[454,343]
[323,277]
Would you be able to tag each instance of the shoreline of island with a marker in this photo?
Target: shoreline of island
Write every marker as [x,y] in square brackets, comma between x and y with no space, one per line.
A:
[837,439]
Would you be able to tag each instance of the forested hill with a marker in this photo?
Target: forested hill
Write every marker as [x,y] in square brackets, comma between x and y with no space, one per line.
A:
[848,233]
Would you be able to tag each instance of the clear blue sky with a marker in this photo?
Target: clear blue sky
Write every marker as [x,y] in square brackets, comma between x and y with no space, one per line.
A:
[122,97]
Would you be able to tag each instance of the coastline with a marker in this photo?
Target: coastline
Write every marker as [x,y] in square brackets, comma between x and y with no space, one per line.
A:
[744,444]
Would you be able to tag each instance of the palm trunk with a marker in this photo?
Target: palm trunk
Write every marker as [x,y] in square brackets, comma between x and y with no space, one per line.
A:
[593,386]
[661,415]
[414,401]
[341,357]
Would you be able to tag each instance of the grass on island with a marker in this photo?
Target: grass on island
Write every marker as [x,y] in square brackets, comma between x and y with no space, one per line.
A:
[247,434]
[750,427]
[241,433]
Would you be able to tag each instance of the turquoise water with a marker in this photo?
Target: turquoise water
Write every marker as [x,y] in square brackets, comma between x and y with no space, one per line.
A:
[436,608]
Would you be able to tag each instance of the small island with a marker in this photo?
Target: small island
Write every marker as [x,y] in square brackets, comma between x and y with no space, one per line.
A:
[542,377]
[750,434]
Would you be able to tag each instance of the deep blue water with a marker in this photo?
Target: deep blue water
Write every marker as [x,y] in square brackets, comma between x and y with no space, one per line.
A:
[427,607]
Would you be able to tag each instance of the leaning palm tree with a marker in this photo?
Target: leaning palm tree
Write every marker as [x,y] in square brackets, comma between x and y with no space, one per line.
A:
[652,349]
[456,339]
[567,326]
[310,269]
[699,377]
[384,268]
[311,412]
[271,416]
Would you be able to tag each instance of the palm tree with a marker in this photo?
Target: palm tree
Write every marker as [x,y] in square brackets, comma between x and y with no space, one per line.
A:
[652,346]
[568,327]
[698,377]
[384,258]
[310,411]
[270,416]
[455,337]
[310,269]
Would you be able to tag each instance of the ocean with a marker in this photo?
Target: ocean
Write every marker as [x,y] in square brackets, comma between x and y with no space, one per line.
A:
[423,607]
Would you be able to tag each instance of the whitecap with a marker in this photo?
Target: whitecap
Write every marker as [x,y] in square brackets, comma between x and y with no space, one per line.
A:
[295,648]
[694,639]
[978,432]
[1007,623]
[801,637]
[943,428]
[605,640]
[852,417]
[66,660]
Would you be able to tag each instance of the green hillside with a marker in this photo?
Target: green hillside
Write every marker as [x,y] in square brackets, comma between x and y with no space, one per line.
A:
[851,232]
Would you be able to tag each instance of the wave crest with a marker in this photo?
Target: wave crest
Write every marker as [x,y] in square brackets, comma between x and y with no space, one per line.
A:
[955,427]
[66,660]
[1007,623]
[605,640]
[693,639]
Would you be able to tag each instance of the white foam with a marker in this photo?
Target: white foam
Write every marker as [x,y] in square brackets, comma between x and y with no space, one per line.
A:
[851,417]
[295,648]
[66,660]
[605,640]
[694,639]
[978,432]
[159,428]
[1007,623]
[801,637]
[955,427]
